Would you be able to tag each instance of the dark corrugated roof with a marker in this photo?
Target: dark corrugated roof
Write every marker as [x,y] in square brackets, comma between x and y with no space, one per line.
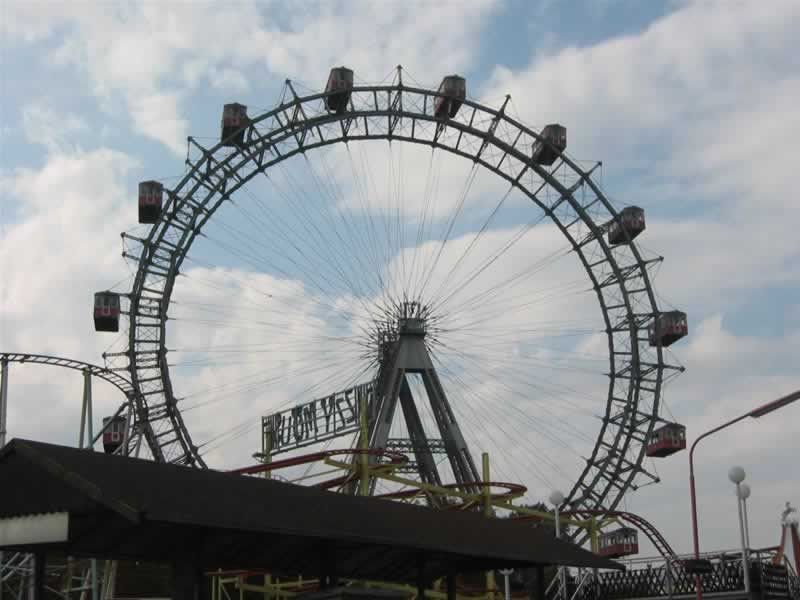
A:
[136,495]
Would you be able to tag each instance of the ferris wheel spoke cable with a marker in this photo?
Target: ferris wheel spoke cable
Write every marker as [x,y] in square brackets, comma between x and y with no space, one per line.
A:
[501,402]
[336,269]
[540,461]
[297,199]
[451,224]
[539,387]
[505,361]
[431,194]
[429,264]
[477,419]
[249,424]
[506,284]
[491,375]
[361,186]
[483,267]
[370,242]
[350,234]
[472,424]
[435,295]
[329,305]
[422,218]
[263,384]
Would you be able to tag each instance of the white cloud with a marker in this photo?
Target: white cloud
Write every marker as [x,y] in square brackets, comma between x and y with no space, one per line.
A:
[702,118]
[135,51]
[44,126]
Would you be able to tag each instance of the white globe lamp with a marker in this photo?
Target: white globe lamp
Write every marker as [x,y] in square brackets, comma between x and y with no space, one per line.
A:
[736,474]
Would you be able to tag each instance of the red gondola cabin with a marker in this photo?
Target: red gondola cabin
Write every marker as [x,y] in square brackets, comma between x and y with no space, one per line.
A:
[453,90]
[667,439]
[618,543]
[113,433]
[630,220]
[106,311]
[339,88]
[151,194]
[667,328]
[552,142]
[234,121]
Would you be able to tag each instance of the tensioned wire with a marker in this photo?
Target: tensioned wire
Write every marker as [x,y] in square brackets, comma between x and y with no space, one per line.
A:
[398,235]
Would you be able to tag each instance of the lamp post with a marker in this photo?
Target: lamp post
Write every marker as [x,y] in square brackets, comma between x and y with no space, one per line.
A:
[756,413]
[744,494]
[557,499]
[505,573]
[736,475]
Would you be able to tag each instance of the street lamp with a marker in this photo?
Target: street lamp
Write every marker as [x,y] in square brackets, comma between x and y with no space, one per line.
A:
[557,499]
[744,494]
[756,413]
[736,475]
[505,573]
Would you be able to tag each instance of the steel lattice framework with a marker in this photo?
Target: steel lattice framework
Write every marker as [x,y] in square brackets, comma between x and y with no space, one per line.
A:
[489,137]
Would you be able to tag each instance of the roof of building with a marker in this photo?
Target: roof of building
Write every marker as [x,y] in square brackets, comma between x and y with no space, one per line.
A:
[123,507]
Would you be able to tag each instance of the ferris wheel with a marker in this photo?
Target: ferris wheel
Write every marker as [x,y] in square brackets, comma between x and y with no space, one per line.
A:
[307,239]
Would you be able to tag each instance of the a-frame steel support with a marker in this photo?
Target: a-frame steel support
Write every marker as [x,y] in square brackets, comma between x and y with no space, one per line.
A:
[407,354]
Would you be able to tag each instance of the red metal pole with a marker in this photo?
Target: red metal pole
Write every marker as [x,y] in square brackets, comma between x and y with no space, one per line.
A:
[697,581]
[693,495]
[755,413]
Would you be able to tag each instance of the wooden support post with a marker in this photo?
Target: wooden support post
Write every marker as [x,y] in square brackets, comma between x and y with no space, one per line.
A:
[451,587]
[422,582]
[188,581]
[39,563]
[328,577]
[540,588]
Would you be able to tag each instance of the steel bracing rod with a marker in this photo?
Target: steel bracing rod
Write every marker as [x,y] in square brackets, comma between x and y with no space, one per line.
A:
[426,465]
[273,144]
[457,452]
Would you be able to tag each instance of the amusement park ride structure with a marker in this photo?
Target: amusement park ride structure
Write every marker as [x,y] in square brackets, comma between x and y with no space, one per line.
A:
[632,428]
[444,119]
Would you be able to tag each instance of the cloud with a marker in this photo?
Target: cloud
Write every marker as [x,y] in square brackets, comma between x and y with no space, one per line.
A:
[44,126]
[135,51]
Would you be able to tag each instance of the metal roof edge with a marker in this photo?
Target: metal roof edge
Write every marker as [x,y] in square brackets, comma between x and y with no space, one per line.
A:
[25,448]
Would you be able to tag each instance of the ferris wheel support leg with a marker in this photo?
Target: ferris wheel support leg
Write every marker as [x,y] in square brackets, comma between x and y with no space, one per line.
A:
[3,404]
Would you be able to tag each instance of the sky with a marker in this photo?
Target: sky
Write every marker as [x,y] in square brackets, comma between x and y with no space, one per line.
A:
[690,106]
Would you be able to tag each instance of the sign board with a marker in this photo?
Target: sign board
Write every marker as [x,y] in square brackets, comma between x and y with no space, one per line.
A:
[319,420]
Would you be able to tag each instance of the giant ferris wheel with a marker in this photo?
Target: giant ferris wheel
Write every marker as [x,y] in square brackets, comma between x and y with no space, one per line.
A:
[413,238]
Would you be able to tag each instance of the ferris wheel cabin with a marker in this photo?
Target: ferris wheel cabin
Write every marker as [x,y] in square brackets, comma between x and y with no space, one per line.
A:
[452,93]
[618,543]
[339,89]
[551,143]
[106,311]
[234,121]
[667,328]
[151,194]
[666,440]
[630,221]
[113,433]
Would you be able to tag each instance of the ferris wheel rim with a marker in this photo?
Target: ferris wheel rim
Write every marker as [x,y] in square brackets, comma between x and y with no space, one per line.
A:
[156,242]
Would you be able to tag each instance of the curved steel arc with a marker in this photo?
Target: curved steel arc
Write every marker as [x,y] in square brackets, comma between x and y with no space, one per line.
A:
[615,460]
[653,534]
[112,377]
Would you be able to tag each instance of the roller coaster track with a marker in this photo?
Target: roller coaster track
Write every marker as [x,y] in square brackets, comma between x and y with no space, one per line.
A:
[653,534]
[112,377]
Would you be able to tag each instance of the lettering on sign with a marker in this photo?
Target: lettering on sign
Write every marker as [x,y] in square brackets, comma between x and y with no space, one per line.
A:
[319,420]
